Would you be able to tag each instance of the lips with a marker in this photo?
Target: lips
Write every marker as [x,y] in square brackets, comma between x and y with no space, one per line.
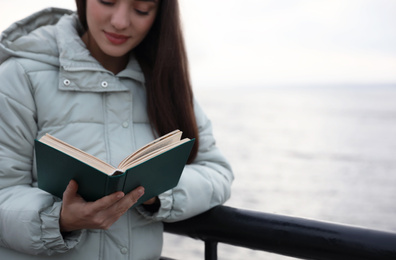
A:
[116,39]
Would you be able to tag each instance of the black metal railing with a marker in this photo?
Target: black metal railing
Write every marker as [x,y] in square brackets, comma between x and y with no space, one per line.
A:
[285,235]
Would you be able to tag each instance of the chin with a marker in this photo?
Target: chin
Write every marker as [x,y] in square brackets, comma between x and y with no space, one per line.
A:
[117,53]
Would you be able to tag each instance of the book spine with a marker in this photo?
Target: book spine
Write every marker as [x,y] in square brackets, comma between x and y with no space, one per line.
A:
[115,183]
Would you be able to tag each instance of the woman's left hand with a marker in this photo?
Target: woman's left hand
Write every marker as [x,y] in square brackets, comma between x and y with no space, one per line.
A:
[150,201]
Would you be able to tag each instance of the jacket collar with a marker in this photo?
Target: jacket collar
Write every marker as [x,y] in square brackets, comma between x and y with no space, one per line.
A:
[75,61]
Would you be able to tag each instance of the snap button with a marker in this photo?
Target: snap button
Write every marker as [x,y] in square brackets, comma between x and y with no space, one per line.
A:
[124,250]
[105,84]
[66,82]
[125,124]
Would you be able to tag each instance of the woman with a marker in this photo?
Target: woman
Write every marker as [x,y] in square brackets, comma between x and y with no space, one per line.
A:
[107,80]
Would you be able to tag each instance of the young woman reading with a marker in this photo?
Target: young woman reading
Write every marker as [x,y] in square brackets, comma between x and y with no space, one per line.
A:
[107,79]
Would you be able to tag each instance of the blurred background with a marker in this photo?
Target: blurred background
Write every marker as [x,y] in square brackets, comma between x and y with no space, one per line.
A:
[302,99]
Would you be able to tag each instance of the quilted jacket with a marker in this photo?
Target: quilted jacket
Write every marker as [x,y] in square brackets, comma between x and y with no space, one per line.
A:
[49,83]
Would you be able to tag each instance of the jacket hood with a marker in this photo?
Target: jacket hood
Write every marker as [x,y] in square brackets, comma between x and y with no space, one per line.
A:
[33,37]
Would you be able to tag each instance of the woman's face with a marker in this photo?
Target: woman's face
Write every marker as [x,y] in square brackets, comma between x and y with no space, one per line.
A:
[118,26]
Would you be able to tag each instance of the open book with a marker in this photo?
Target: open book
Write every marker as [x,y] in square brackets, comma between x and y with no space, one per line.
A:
[156,166]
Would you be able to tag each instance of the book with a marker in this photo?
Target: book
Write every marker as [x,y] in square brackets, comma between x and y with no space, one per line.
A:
[156,166]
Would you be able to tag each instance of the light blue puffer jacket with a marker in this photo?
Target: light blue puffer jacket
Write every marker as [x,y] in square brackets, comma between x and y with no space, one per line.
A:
[50,83]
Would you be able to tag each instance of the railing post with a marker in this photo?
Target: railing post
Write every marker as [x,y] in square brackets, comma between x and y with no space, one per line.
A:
[211,250]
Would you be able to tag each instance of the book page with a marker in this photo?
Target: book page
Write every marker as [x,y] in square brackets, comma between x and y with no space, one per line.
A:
[77,153]
[153,153]
[162,141]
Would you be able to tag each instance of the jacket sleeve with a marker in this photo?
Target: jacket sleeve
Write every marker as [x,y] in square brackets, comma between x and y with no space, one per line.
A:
[204,184]
[29,217]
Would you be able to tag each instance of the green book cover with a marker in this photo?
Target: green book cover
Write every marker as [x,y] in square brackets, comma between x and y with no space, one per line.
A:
[55,169]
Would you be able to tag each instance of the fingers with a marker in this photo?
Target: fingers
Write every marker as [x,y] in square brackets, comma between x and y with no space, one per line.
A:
[72,187]
[150,201]
[116,204]
[135,195]
[107,201]
[71,191]
[76,213]
[129,199]
[119,208]
[113,207]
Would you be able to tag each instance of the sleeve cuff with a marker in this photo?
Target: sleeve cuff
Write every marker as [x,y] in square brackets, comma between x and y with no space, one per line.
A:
[163,212]
[53,239]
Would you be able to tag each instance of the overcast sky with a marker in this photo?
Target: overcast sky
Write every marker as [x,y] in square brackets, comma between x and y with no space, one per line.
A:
[276,42]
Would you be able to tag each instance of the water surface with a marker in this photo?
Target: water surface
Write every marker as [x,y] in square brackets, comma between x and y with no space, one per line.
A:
[319,153]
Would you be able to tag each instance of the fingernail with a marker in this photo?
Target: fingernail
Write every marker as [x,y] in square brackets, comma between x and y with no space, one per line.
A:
[140,191]
[120,195]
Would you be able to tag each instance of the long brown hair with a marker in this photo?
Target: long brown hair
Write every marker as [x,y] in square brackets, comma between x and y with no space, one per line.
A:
[162,56]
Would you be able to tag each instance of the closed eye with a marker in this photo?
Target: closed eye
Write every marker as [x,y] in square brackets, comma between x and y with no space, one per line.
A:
[106,2]
[140,12]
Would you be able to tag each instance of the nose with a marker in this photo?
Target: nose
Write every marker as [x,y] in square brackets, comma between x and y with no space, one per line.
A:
[120,19]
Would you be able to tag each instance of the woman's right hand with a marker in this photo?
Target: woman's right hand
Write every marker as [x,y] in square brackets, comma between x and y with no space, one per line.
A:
[76,213]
